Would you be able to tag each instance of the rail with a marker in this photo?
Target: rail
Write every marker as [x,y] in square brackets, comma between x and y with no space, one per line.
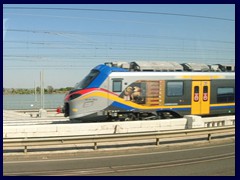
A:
[95,139]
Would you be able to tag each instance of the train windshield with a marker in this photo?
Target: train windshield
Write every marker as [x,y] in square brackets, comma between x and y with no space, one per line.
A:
[87,80]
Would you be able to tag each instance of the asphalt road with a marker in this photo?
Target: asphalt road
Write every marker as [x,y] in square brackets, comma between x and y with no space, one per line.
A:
[199,159]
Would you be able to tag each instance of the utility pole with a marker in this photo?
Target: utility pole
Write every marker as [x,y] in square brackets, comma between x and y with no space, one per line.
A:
[42,89]
[42,112]
[41,103]
[35,92]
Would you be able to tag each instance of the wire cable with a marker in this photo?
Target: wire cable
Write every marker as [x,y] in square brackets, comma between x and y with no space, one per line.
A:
[122,11]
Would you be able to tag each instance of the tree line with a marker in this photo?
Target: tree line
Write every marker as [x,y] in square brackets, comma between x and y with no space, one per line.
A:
[48,90]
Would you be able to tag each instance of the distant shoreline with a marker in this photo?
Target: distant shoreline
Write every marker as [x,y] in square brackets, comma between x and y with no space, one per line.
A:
[48,90]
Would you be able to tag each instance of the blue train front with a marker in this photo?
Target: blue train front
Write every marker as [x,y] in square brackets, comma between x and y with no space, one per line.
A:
[117,93]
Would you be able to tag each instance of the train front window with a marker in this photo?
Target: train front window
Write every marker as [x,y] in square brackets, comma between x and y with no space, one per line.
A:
[87,80]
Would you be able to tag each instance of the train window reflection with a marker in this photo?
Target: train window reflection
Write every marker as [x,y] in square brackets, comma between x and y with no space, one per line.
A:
[117,86]
[175,88]
[225,94]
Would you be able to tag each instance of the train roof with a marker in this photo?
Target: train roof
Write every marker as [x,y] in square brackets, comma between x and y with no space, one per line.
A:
[174,75]
[185,75]
[155,66]
[120,72]
[168,66]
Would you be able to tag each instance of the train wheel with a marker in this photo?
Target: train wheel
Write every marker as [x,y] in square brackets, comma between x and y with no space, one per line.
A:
[168,115]
[130,117]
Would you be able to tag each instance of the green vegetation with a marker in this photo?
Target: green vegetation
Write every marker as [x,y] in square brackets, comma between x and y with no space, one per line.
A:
[48,90]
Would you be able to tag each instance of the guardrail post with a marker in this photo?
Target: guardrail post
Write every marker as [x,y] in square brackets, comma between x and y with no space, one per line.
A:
[25,149]
[95,145]
[209,137]
[157,141]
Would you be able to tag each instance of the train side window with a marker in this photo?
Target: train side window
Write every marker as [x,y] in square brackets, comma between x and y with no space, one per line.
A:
[196,94]
[117,86]
[205,93]
[175,88]
[225,95]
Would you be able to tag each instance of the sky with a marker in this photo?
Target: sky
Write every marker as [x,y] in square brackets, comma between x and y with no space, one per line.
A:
[67,41]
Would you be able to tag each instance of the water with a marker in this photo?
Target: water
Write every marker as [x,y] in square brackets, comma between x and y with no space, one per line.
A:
[29,101]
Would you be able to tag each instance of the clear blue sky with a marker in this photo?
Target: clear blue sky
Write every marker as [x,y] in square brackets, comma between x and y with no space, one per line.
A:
[66,44]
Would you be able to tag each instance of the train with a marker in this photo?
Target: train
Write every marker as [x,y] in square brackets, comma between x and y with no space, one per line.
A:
[150,90]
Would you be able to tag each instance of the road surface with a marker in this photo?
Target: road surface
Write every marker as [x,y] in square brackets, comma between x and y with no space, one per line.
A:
[206,159]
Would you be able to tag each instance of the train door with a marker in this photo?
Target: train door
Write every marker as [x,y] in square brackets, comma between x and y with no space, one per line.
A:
[200,97]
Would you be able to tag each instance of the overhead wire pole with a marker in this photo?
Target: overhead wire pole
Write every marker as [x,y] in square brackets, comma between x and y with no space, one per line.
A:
[42,112]
[42,88]
[35,92]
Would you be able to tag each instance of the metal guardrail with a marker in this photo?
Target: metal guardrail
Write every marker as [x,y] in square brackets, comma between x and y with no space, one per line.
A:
[95,139]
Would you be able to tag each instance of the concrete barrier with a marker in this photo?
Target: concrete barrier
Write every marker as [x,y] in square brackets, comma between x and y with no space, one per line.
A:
[194,121]
[49,130]
[219,121]
[92,128]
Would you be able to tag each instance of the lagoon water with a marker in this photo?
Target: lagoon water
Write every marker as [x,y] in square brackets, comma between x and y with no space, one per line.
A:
[29,101]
